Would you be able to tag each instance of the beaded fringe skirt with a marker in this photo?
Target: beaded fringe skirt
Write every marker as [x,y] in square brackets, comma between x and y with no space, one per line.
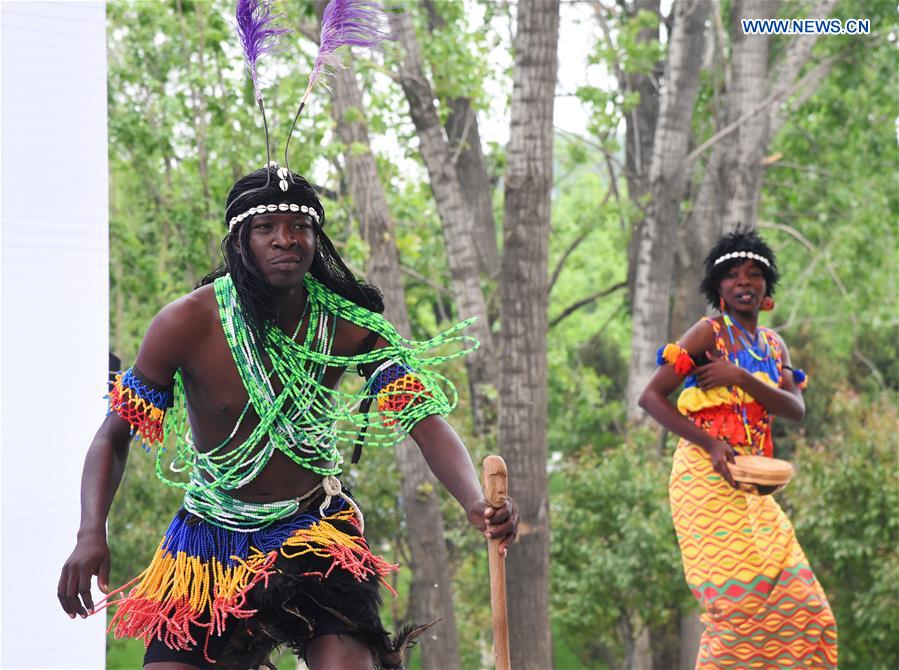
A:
[763,606]
[203,578]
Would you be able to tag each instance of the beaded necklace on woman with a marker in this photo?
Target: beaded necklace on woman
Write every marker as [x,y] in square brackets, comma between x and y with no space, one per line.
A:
[751,346]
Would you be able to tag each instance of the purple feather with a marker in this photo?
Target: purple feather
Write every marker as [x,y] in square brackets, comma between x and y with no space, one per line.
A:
[259,32]
[354,23]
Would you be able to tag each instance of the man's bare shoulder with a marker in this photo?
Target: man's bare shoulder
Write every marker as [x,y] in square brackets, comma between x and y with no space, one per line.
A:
[178,331]
[350,339]
[191,314]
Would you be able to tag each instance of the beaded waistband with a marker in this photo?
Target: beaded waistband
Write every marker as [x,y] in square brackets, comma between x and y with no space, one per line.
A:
[221,509]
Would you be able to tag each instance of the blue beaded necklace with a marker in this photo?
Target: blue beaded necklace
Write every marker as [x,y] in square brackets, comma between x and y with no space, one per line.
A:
[756,346]
[736,361]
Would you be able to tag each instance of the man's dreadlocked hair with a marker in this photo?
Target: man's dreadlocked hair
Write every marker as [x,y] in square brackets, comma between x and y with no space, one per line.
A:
[738,241]
[328,267]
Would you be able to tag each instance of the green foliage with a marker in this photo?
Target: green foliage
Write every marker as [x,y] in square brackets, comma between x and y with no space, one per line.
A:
[459,68]
[621,51]
[587,350]
[615,560]
[832,195]
[843,504]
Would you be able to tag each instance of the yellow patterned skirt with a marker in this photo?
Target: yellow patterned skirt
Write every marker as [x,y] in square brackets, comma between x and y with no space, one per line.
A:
[763,606]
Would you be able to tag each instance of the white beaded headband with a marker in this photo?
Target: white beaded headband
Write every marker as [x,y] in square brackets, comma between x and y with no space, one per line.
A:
[265,209]
[742,254]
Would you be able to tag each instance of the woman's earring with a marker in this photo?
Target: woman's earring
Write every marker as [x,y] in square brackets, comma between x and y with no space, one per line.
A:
[721,305]
[767,303]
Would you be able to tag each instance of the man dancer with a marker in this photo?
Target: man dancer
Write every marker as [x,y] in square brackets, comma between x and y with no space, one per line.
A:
[242,374]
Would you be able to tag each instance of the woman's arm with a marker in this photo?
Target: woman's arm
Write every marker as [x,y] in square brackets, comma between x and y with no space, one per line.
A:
[785,401]
[655,400]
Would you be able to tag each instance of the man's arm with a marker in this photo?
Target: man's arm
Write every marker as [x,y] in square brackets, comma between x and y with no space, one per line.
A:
[100,479]
[450,462]
[168,340]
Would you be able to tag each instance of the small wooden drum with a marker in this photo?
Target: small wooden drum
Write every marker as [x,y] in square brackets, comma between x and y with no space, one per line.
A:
[760,474]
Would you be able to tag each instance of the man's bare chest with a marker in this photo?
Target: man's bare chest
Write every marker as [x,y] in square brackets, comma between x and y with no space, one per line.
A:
[217,397]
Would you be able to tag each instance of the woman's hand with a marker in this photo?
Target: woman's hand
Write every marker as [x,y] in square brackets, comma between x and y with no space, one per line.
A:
[90,557]
[721,454]
[499,523]
[718,372]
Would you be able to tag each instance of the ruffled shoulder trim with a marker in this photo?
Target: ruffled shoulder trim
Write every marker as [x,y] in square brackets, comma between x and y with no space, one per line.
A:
[676,356]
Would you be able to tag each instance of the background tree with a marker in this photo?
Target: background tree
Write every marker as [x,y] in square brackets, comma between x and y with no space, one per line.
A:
[525,298]
[431,579]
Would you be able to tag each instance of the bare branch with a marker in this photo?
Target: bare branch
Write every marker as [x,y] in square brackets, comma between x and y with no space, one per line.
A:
[583,302]
[875,372]
[406,270]
[804,89]
[720,35]
[571,247]
[310,30]
[614,189]
[790,230]
[593,145]
[727,130]
[558,270]
[798,53]
[463,142]
[607,36]
[800,168]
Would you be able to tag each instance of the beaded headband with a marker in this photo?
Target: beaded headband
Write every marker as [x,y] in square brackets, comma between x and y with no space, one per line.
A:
[264,209]
[743,254]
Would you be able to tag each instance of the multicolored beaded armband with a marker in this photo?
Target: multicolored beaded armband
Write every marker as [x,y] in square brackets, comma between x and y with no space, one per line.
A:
[677,357]
[399,390]
[799,377]
[141,405]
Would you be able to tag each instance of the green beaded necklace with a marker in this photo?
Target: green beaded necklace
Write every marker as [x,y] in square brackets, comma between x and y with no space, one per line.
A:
[307,421]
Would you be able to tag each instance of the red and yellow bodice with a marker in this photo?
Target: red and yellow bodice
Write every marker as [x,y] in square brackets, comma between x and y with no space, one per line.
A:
[730,413]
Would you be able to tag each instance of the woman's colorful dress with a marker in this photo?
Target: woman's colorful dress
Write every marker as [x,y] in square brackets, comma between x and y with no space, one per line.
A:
[763,606]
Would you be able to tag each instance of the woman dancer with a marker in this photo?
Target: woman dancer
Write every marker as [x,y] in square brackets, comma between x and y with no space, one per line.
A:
[763,606]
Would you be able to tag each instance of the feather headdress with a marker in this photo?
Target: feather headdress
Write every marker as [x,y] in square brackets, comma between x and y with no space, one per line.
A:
[353,23]
[259,32]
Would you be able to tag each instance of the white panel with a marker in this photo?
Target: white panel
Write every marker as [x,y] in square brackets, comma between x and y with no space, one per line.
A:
[55,287]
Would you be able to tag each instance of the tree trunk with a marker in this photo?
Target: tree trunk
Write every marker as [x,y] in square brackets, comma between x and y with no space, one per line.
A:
[731,186]
[640,129]
[667,177]
[464,138]
[457,217]
[742,168]
[691,629]
[431,595]
[524,297]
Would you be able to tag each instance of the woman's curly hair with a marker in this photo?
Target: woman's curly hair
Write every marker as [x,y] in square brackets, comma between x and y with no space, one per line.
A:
[739,241]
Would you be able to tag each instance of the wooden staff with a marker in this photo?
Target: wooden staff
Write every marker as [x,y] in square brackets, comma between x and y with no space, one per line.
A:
[495,475]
